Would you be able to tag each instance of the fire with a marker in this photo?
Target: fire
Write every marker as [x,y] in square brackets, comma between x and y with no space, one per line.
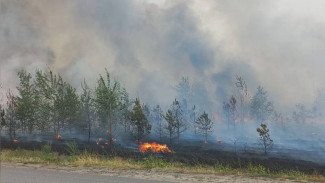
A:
[107,131]
[58,137]
[113,139]
[15,141]
[154,147]
[106,143]
[98,141]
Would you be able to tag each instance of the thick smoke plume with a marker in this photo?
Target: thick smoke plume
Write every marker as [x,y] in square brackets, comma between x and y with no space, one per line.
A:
[149,44]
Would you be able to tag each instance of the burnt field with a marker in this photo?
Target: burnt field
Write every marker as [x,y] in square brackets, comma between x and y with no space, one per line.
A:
[194,153]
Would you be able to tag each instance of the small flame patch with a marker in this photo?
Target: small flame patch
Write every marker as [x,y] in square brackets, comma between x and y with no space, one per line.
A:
[154,147]
[59,137]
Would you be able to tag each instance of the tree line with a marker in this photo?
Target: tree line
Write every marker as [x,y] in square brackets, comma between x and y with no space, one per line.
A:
[46,103]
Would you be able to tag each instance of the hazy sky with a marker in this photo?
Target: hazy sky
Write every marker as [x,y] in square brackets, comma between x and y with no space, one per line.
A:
[150,44]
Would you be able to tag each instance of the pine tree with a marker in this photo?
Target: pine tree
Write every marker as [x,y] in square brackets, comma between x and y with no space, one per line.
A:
[204,124]
[243,97]
[184,94]
[226,111]
[49,91]
[265,139]
[158,117]
[26,103]
[170,127]
[2,118]
[11,115]
[70,109]
[126,104]
[179,124]
[139,121]
[108,101]
[261,107]
[87,107]
[233,110]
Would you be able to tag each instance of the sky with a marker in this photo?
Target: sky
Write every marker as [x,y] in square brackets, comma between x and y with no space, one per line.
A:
[148,45]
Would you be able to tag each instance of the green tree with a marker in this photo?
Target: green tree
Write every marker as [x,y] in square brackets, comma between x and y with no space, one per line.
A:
[11,116]
[2,118]
[87,105]
[204,125]
[170,127]
[69,107]
[108,101]
[261,107]
[50,94]
[244,98]
[264,138]
[139,121]
[126,104]
[26,103]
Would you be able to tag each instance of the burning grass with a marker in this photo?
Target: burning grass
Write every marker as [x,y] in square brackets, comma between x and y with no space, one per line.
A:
[86,159]
[154,148]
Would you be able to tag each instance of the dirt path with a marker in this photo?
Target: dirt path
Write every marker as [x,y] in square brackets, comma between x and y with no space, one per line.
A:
[149,174]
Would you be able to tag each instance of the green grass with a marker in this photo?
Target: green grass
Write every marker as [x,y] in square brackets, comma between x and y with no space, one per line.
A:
[77,158]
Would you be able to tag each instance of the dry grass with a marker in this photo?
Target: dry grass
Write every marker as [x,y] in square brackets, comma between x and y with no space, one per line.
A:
[45,156]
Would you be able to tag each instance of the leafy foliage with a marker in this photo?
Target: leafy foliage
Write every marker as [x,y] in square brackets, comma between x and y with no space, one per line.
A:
[108,99]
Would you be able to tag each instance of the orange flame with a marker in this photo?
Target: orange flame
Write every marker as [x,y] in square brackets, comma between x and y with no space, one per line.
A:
[154,147]
[58,137]
[106,143]
[15,141]
[113,139]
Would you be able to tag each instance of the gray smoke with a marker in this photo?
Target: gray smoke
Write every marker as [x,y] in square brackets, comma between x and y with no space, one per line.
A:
[149,45]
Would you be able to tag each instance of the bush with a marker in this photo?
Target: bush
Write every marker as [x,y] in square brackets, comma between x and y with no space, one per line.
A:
[73,149]
[46,149]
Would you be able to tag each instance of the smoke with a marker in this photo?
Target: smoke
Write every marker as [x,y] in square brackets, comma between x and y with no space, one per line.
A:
[149,45]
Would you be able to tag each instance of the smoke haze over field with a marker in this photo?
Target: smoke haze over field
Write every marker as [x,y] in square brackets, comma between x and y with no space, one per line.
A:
[149,45]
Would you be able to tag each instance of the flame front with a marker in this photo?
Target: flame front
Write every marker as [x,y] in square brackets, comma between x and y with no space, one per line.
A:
[154,147]
[15,141]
